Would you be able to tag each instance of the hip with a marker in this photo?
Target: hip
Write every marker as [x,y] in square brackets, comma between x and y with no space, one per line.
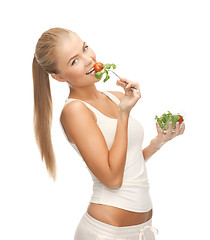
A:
[89,228]
[116,216]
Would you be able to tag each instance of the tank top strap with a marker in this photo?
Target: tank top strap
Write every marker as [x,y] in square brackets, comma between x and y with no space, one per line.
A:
[112,97]
[96,111]
[68,100]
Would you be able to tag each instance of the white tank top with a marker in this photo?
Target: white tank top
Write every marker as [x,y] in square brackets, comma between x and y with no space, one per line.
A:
[133,195]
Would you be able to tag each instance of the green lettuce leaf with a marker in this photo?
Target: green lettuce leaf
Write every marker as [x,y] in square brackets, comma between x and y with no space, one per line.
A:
[98,74]
[106,68]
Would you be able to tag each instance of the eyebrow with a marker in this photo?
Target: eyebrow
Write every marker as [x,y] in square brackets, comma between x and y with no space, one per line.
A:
[84,43]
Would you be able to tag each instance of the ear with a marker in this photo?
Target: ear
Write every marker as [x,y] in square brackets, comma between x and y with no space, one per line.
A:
[57,77]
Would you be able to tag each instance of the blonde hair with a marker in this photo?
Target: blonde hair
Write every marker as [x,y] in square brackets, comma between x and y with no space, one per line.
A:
[44,62]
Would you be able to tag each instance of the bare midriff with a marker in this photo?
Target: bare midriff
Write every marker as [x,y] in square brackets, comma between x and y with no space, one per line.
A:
[116,216]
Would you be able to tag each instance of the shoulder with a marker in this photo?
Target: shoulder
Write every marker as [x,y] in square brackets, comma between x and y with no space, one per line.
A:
[75,109]
[73,106]
[118,94]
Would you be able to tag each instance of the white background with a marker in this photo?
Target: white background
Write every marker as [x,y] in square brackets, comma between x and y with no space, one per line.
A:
[164,45]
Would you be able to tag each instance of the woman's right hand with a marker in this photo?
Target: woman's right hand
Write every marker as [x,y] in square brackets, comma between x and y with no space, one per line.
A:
[131,96]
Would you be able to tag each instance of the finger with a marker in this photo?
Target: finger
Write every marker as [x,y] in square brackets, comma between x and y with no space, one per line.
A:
[182,128]
[127,86]
[136,92]
[134,86]
[124,80]
[121,83]
[169,128]
[138,89]
[177,129]
[159,130]
[127,82]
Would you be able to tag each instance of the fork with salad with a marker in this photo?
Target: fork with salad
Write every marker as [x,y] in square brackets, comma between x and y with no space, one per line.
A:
[101,69]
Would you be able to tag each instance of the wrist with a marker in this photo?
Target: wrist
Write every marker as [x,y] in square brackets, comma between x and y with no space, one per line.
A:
[123,114]
[156,144]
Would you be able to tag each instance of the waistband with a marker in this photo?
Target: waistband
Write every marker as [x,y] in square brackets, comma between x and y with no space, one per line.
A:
[113,231]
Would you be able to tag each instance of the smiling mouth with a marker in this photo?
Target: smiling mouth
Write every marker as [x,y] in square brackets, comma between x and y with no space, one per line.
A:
[91,70]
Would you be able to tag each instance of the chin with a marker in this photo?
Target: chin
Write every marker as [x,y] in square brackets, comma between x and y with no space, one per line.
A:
[93,78]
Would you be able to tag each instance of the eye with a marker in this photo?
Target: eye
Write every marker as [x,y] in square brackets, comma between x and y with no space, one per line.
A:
[85,49]
[75,61]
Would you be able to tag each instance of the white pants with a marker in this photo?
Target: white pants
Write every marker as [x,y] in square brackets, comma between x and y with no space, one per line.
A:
[90,228]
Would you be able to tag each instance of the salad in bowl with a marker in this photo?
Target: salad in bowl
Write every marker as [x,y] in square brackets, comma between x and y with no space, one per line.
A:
[164,120]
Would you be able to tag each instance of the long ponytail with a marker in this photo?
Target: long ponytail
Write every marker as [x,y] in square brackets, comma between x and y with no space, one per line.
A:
[43,116]
[44,62]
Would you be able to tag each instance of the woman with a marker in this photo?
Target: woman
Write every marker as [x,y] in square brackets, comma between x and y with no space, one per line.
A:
[99,127]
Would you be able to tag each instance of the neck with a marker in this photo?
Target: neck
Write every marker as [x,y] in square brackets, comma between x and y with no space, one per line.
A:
[87,93]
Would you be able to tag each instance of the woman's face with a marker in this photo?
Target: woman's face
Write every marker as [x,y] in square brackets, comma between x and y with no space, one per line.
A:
[74,60]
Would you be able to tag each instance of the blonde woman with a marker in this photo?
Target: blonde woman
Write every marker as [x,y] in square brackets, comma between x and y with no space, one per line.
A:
[100,128]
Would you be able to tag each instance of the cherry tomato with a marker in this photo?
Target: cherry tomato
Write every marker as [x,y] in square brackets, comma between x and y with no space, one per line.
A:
[98,66]
[180,120]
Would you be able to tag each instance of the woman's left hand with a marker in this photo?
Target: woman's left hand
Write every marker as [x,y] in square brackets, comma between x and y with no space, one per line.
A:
[165,137]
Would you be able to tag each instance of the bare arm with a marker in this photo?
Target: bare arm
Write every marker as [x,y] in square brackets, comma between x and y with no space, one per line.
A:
[79,123]
[161,139]
[152,148]
[118,151]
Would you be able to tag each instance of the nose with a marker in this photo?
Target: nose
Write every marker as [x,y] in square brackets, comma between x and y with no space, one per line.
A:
[87,58]
[88,61]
